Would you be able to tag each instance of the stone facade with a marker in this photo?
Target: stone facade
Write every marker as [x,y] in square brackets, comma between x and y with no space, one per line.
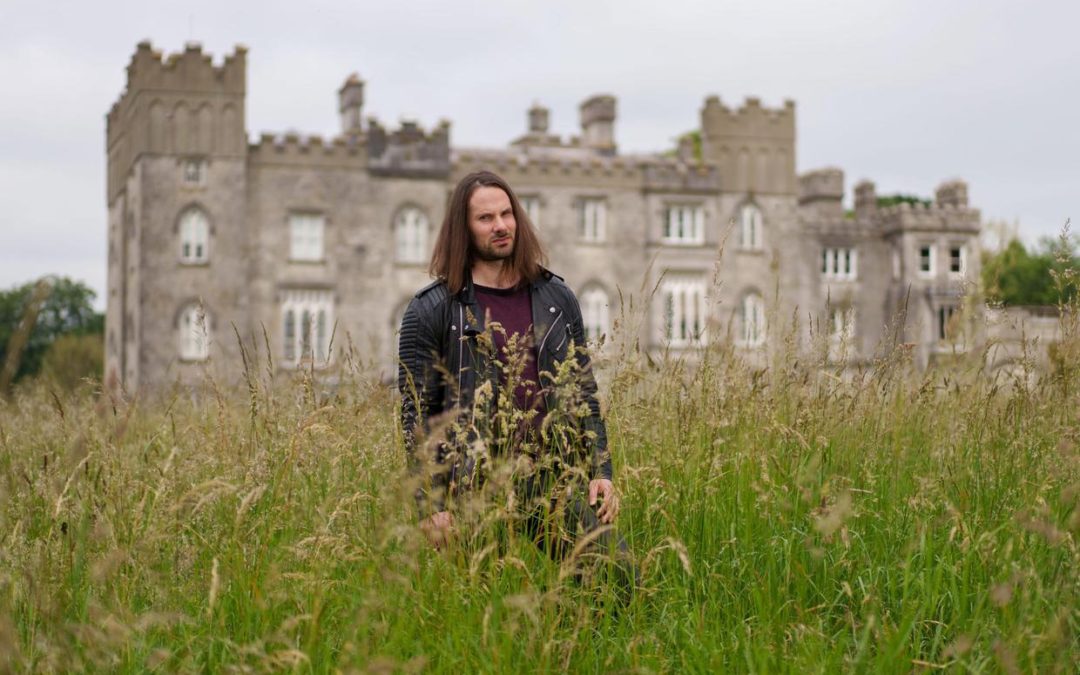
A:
[299,237]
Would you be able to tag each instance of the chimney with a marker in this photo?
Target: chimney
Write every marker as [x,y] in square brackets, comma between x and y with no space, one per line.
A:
[598,123]
[350,104]
[865,200]
[538,119]
[953,194]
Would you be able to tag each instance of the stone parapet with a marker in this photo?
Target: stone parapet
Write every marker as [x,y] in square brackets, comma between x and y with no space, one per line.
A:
[409,151]
[294,149]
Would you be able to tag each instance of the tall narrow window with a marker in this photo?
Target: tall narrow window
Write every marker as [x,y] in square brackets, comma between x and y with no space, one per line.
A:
[750,226]
[684,311]
[307,325]
[957,260]
[896,263]
[592,219]
[411,236]
[926,260]
[684,224]
[753,321]
[531,204]
[946,323]
[194,334]
[306,232]
[194,237]
[595,313]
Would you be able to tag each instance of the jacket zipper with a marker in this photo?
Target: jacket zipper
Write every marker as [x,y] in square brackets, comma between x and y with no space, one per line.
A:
[541,350]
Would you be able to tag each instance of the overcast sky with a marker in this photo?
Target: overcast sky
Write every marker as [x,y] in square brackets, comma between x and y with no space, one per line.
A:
[905,93]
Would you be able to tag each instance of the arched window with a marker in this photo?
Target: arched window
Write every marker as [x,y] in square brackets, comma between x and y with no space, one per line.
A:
[595,313]
[684,311]
[411,234]
[753,321]
[750,226]
[307,322]
[194,334]
[194,237]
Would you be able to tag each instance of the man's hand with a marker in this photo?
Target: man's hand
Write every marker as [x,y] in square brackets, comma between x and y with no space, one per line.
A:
[437,528]
[605,489]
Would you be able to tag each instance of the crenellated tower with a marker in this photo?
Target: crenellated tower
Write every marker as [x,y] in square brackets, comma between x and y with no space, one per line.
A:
[753,146]
[176,148]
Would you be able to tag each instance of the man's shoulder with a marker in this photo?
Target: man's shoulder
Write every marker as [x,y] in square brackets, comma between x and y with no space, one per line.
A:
[429,298]
[432,288]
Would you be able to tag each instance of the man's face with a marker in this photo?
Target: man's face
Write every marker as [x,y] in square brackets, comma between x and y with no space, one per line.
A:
[491,223]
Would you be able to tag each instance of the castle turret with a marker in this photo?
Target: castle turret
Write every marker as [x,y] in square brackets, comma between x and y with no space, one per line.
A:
[822,192]
[351,105]
[598,123]
[865,200]
[538,119]
[754,146]
[953,194]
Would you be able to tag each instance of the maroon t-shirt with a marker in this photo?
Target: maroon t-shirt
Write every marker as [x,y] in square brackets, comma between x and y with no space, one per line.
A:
[512,308]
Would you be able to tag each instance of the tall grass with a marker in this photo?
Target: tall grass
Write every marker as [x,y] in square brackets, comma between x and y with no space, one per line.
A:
[788,518]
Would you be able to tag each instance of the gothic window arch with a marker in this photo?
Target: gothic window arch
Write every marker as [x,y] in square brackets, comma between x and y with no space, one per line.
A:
[684,310]
[194,229]
[411,231]
[307,326]
[595,312]
[193,332]
[752,320]
[751,227]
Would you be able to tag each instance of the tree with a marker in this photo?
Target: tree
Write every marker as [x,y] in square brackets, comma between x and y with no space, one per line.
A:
[66,308]
[1016,276]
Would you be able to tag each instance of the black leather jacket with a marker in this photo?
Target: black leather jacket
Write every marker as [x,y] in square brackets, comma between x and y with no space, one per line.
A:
[438,349]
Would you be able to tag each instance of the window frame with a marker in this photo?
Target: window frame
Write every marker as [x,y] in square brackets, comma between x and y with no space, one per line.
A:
[532,205]
[307,247]
[190,232]
[931,259]
[689,234]
[683,297]
[193,333]
[412,236]
[833,269]
[595,318]
[755,227]
[961,258]
[307,320]
[594,230]
[752,303]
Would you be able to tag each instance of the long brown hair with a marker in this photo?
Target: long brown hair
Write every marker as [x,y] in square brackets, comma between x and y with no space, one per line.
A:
[454,254]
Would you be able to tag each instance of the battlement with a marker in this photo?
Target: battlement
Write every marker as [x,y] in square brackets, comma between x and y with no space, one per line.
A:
[948,213]
[190,71]
[409,150]
[292,148]
[677,175]
[750,120]
[552,168]
[825,184]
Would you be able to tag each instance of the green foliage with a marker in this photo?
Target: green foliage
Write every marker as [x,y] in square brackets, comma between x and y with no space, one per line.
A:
[74,358]
[784,520]
[892,200]
[67,309]
[1016,276]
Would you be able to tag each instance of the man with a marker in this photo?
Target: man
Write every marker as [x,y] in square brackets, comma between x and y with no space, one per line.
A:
[497,330]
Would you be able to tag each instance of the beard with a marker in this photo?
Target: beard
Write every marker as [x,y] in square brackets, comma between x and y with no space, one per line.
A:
[489,253]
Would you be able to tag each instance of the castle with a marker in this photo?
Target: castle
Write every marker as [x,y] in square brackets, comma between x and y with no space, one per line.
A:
[310,240]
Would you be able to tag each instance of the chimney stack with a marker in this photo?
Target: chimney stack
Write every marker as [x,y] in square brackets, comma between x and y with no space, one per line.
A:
[598,123]
[351,104]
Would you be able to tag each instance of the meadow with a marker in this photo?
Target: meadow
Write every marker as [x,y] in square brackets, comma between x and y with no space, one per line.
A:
[791,517]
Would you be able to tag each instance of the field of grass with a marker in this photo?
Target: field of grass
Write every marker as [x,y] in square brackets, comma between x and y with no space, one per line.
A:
[784,519]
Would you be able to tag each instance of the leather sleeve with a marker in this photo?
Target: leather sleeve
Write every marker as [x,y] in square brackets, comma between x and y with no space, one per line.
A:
[594,422]
[422,394]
